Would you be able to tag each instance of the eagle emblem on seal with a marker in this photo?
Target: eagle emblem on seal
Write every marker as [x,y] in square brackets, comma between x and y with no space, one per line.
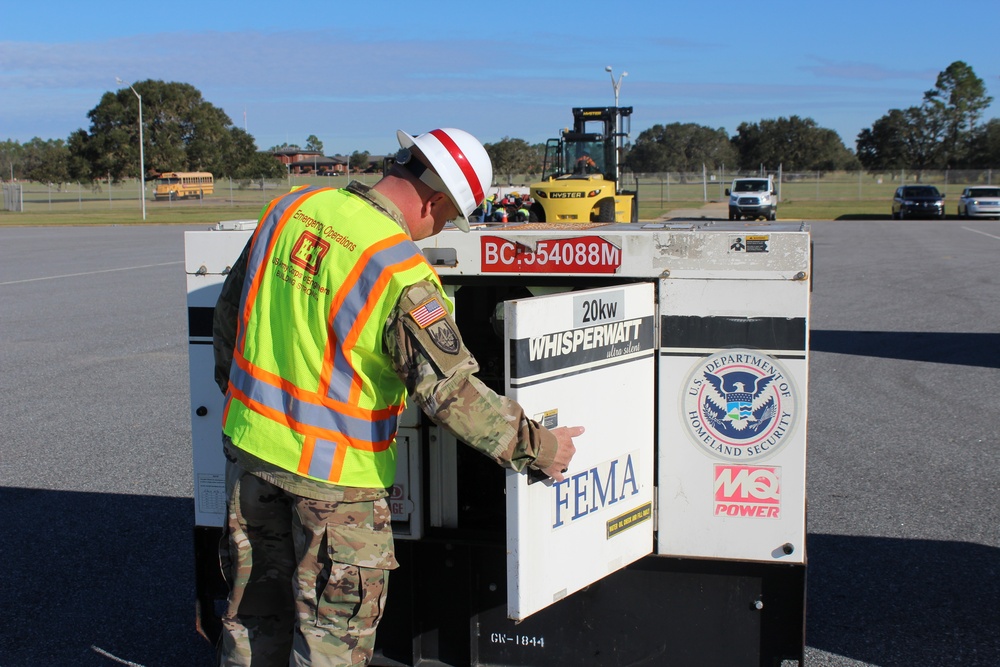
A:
[740,395]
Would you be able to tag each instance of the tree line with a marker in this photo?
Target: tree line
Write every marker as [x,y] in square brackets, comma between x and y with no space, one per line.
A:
[943,132]
[181,132]
[795,143]
[184,132]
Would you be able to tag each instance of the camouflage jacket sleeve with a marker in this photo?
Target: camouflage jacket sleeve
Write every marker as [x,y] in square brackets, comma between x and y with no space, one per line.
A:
[430,357]
[225,319]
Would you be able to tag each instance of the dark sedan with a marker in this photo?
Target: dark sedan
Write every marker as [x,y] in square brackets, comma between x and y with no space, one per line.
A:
[917,201]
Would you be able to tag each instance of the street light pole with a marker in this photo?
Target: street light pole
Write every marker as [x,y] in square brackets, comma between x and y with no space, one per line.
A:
[618,129]
[142,160]
[617,84]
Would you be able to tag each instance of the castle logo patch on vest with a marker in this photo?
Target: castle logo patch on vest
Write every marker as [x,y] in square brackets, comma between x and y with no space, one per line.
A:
[309,251]
[427,313]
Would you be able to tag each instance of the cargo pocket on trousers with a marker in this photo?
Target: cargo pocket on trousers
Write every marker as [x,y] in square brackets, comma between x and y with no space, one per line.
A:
[354,596]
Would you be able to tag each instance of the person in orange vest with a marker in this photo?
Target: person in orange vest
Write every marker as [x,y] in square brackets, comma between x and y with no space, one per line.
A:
[327,322]
[585,164]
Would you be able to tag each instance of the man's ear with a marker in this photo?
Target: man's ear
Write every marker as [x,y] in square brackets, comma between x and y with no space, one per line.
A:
[436,200]
[440,199]
[426,205]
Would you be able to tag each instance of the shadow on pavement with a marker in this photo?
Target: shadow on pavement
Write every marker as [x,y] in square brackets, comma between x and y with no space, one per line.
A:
[98,580]
[899,603]
[88,576]
[966,349]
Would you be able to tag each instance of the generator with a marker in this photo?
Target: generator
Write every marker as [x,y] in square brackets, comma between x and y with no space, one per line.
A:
[678,536]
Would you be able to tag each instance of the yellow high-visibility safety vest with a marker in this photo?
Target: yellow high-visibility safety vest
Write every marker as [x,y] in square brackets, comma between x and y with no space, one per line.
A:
[309,389]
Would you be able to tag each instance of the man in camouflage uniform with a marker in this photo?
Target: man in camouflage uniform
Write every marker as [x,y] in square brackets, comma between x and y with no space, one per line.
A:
[306,560]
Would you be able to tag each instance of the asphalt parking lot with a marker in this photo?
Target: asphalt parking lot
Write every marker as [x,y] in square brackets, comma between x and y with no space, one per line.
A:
[904,452]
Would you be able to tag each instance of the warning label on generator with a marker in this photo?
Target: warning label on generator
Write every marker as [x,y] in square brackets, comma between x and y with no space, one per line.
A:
[750,243]
[633,518]
[211,493]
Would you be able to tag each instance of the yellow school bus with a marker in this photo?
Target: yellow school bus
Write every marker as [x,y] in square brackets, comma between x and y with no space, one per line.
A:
[184,184]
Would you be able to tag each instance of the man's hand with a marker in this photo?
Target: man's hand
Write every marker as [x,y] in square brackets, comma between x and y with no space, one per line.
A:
[564,435]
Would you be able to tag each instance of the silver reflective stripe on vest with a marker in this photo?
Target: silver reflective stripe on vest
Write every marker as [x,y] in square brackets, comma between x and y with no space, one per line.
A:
[351,308]
[261,242]
[322,458]
[310,414]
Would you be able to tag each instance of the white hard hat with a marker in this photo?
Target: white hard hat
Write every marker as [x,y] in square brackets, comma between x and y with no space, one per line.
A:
[462,165]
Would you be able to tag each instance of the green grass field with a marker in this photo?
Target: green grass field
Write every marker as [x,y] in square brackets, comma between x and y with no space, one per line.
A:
[830,197]
[120,204]
[210,213]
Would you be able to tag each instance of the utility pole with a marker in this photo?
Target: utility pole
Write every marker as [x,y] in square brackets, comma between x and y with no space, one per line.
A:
[142,160]
[617,84]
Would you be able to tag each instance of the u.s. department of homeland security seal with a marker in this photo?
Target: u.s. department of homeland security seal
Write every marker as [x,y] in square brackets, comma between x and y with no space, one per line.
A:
[739,405]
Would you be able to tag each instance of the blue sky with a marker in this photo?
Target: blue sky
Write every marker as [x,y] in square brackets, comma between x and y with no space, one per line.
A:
[353,72]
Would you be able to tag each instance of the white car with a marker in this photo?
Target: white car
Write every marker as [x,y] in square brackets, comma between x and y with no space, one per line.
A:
[980,202]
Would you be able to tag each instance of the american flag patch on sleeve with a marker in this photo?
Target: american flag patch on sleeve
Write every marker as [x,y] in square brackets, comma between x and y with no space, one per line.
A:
[428,312]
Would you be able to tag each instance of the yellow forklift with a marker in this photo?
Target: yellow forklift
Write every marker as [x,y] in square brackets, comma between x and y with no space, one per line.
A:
[582,175]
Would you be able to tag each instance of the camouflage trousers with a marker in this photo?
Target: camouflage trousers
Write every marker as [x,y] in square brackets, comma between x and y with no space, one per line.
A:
[307,578]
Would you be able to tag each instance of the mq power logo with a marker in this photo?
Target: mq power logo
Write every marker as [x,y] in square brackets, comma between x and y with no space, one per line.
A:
[739,405]
[748,491]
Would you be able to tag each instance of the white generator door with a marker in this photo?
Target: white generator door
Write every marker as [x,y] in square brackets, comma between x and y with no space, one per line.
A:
[582,359]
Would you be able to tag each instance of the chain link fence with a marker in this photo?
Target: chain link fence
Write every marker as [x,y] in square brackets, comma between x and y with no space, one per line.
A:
[710,185]
[664,188]
[29,196]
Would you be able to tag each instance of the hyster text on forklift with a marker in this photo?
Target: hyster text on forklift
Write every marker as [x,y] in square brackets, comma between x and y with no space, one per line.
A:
[678,536]
[582,175]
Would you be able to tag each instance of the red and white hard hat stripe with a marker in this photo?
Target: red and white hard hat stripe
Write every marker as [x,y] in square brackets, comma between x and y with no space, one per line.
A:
[463,163]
